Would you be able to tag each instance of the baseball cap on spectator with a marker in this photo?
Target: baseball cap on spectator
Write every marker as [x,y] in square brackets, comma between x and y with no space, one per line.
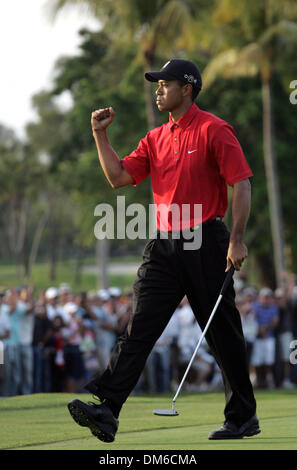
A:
[265,292]
[64,288]
[115,291]
[51,293]
[103,294]
[70,307]
[279,292]
[252,291]
[92,295]
[177,69]
[238,284]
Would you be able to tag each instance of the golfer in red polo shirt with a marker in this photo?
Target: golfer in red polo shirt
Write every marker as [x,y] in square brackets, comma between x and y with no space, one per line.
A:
[191,159]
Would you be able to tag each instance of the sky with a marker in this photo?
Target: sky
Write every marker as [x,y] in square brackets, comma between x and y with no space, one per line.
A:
[30,43]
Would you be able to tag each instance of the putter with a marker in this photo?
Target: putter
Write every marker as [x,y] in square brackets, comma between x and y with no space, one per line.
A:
[173,411]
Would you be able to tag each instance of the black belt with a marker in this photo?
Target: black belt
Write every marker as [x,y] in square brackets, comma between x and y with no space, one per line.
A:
[195,227]
[207,222]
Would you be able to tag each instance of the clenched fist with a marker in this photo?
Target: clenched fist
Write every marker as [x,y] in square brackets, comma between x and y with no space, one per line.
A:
[101,118]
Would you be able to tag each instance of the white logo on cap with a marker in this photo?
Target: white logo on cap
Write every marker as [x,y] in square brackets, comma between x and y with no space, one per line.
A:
[190,78]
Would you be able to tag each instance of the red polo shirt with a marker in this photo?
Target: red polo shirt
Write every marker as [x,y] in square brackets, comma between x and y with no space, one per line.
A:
[190,162]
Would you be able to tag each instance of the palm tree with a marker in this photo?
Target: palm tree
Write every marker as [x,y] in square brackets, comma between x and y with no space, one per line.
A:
[154,26]
[268,40]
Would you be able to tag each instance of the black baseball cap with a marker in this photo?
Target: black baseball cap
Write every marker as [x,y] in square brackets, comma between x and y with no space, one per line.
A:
[177,69]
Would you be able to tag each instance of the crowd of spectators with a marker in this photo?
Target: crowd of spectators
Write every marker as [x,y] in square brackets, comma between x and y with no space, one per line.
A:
[269,320]
[57,341]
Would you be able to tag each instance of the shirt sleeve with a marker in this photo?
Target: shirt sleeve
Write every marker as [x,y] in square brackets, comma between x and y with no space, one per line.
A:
[228,153]
[138,163]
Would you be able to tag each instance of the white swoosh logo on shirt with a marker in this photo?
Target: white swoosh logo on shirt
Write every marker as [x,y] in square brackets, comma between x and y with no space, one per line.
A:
[191,151]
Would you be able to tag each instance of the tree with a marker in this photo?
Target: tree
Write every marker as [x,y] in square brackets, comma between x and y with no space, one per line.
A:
[50,141]
[97,74]
[266,36]
[150,26]
[153,27]
[21,177]
[74,174]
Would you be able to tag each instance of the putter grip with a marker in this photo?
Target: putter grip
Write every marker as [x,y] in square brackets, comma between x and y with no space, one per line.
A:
[227,279]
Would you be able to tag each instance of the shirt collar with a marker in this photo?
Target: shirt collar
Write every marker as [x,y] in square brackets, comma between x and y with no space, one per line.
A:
[186,119]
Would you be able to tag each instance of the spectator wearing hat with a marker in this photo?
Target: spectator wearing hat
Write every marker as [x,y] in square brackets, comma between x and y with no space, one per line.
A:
[65,296]
[53,308]
[115,292]
[240,281]
[116,304]
[189,334]
[106,326]
[65,293]
[74,364]
[56,356]
[88,348]
[263,357]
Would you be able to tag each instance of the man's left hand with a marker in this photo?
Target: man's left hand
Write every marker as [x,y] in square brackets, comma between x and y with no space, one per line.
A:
[237,252]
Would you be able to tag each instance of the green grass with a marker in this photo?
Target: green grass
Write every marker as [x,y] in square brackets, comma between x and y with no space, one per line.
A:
[65,273]
[43,422]
[125,281]
[41,278]
[90,260]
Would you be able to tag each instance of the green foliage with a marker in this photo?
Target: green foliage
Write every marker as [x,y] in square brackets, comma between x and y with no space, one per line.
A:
[58,169]
[238,101]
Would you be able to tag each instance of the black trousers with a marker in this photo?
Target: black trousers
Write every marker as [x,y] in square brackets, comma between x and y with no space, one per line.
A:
[167,274]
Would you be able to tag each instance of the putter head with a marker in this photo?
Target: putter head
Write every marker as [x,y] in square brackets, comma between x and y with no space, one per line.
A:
[165,412]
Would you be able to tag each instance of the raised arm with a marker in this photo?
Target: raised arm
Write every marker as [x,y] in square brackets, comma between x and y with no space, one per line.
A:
[109,160]
[241,203]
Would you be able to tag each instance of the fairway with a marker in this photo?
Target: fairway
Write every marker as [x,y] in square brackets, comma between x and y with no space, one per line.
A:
[43,422]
